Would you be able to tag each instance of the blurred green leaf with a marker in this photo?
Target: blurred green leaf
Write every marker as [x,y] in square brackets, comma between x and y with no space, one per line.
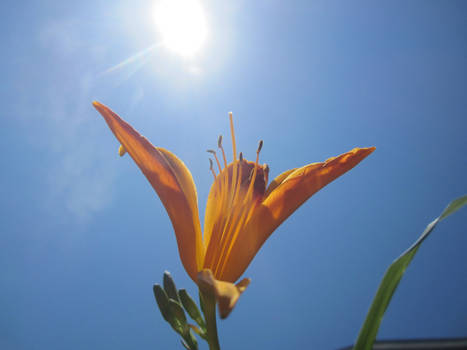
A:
[173,312]
[192,309]
[391,280]
[201,303]
[185,345]
[178,320]
[197,330]
[454,206]
[191,340]
[162,301]
[170,288]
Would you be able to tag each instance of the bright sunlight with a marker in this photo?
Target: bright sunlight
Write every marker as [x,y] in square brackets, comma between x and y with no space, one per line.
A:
[182,25]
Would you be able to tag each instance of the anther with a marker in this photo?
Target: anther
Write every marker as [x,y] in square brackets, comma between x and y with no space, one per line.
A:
[260,145]
[240,156]
[211,167]
[266,173]
[217,159]
[219,144]
[121,151]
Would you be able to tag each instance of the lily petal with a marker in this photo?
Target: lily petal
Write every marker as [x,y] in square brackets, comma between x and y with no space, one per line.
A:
[226,293]
[289,191]
[172,181]
[278,180]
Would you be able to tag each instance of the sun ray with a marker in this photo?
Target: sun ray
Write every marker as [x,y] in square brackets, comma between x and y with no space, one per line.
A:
[139,58]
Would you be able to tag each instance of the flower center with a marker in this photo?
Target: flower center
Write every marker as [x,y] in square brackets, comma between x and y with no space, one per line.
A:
[237,190]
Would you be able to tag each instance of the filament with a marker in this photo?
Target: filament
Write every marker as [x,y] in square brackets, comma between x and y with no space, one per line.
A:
[217,160]
[219,144]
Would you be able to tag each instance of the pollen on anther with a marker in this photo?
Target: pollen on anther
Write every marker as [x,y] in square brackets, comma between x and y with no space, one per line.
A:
[211,167]
[217,159]
[219,144]
[260,145]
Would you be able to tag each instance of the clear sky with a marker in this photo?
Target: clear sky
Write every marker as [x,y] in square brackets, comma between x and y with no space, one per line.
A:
[84,237]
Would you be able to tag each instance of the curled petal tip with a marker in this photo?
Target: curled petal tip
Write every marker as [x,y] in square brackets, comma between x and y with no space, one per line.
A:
[100,107]
[226,293]
[121,151]
[369,149]
[361,151]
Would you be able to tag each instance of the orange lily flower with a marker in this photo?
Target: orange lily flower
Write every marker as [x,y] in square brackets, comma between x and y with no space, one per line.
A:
[242,209]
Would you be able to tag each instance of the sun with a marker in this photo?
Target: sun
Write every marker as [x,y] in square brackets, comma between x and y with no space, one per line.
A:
[182,25]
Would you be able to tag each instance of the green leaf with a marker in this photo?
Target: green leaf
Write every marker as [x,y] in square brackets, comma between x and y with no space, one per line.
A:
[192,309]
[185,345]
[391,280]
[200,332]
[177,311]
[201,303]
[178,321]
[170,288]
[171,311]
[162,301]
[454,206]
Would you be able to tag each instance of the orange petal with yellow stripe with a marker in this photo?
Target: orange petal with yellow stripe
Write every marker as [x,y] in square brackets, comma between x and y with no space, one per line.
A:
[285,194]
[172,181]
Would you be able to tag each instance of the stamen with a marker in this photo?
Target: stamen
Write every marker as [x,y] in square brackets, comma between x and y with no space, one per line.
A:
[260,145]
[212,168]
[253,177]
[232,220]
[243,216]
[217,160]
[240,156]
[266,173]
[219,144]
[234,147]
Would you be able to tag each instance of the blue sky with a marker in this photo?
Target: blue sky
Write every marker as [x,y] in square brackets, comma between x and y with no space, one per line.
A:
[84,236]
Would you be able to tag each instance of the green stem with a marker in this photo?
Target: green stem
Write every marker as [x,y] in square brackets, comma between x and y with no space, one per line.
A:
[209,310]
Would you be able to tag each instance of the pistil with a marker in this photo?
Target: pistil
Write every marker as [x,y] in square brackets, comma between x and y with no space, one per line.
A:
[234,147]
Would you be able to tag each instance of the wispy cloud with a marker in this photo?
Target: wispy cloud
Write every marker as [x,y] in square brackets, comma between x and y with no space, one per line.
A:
[79,178]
